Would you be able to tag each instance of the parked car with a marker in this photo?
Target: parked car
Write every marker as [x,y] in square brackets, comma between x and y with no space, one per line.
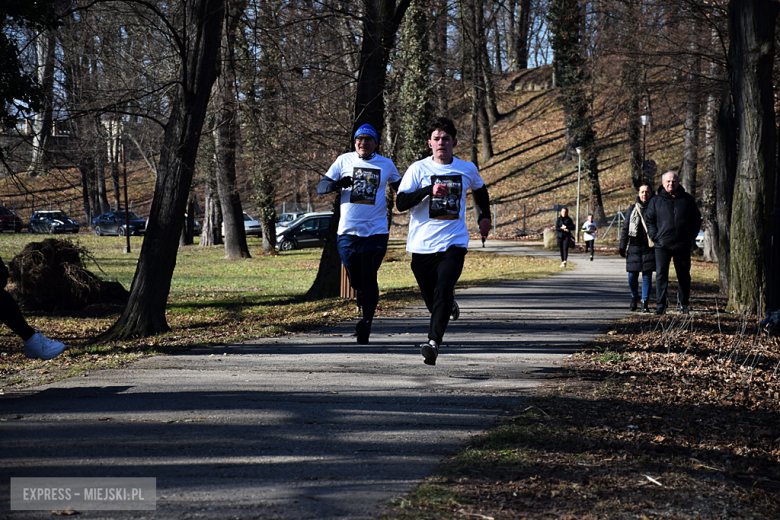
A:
[310,230]
[10,221]
[52,222]
[700,240]
[251,226]
[113,223]
[285,219]
[197,229]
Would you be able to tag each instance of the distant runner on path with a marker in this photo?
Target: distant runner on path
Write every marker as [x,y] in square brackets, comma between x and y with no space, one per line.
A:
[434,189]
[362,242]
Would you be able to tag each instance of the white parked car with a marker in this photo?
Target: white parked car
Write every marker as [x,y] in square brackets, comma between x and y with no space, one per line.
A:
[251,226]
[700,240]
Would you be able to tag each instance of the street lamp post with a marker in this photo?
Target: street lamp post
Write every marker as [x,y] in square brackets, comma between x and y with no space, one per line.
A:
[579,172]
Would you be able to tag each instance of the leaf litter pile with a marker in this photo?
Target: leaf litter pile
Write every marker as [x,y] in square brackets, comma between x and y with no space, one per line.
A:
[676,417]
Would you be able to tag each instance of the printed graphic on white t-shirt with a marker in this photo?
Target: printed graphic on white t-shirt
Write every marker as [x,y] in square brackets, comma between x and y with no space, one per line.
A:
[431,235]
[365,185]
[446,208]
[363,218]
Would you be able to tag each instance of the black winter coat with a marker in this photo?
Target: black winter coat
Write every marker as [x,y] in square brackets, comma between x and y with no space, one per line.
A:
[640,257]
[672,222]
[564,221]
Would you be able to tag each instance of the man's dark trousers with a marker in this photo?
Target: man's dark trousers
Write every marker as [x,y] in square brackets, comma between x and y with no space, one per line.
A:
[682,265]
[437,274]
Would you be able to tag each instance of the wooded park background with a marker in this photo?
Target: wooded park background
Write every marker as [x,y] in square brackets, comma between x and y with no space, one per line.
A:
[250,100]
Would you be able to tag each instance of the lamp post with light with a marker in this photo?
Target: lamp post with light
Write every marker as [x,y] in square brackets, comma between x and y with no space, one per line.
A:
[579,172]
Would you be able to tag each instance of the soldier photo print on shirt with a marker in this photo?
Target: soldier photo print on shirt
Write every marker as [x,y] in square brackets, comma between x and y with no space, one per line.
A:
[365,183]
[446,208]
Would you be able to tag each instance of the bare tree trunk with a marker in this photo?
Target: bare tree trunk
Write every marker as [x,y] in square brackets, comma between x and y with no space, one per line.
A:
[751,30]
[486,80]
[42,124]
[725,165]
[100,181]
[692,112]
[710,191]
[212,228]
[439,48]
[144,314]
[633,122]
[380,25]
[520,20]
[186,237]
[113,131]
[226,138]
[84,174]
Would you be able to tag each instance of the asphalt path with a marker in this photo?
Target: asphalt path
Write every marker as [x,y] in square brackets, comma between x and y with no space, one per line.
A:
[309,425]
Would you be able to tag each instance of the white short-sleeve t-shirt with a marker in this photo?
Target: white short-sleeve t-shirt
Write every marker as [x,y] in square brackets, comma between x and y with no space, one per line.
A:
[364,219]
[589,229]
[430,235]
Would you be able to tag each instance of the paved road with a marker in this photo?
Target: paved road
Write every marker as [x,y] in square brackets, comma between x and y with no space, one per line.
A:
[314,425]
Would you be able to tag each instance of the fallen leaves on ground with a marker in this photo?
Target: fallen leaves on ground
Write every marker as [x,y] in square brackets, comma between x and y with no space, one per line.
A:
[674,417]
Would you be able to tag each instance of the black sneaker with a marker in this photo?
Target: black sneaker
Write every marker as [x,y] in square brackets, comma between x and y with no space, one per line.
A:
[430,352]
[683,309]
[363,329]
[455,312]
[660,310]
[645,306]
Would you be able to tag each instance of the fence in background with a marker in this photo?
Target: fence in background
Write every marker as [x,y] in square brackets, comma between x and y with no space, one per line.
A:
[305,207]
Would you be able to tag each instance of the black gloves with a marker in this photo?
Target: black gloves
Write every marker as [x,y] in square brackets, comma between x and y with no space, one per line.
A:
[622,252]
[344,182]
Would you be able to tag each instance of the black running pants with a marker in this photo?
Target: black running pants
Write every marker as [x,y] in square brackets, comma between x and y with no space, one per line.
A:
[437,274]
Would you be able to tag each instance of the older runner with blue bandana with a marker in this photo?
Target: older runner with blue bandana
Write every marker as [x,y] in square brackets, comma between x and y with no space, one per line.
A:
[361,177]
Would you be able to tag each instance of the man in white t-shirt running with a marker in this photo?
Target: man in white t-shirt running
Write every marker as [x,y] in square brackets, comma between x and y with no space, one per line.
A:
[434,189]
[361,177]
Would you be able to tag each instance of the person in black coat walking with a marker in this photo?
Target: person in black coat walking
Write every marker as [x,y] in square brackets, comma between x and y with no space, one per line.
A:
[673,221]
[563,227]
[636,249]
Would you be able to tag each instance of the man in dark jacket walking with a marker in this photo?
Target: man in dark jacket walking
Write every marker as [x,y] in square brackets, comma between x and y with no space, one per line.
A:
[673,221]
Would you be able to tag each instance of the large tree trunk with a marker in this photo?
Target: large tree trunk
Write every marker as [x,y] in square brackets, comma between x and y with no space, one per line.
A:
[42,124]
[226,138]
[439,54]
[725,168]
[751,31]
[144,314]
[519,30]
[692,112]
[380,24]
[633,122]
